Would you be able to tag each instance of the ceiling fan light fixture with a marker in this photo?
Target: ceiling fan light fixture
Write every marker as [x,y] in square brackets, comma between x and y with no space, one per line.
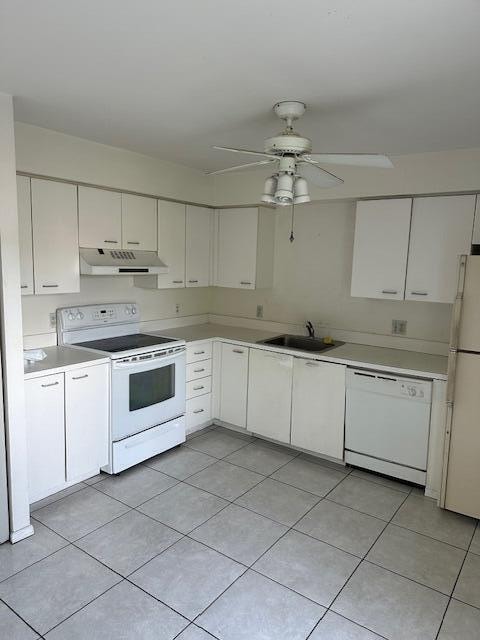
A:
[269,190]
[284,192]
[300,191]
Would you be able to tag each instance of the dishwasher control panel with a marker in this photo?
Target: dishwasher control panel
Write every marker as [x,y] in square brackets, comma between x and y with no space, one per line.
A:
[412,390]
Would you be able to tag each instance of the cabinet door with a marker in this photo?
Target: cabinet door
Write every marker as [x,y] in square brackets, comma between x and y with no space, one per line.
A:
[318,407]
[45,435]
[139,222]
[441,230]
[87,403]
[198,246]
[25,234]
[99,218]
[380,248]
[269,394]
[171,243]
[55,237]
[233,385]
[237,248]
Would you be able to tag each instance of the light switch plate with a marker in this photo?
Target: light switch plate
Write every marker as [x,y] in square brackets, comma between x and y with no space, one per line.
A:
[259,310]
[399,327]
[53,319]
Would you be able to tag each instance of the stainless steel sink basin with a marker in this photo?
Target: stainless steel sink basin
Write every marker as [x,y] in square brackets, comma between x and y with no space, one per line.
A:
[302,343]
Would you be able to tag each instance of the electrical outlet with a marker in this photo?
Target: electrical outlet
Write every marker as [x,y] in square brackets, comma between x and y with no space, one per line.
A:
[399,327]
[259,310]
[53,319]
[177,308]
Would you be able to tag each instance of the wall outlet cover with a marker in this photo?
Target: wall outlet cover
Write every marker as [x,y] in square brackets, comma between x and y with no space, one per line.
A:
[177,308]
[53,319]
[399,327]
[259,310]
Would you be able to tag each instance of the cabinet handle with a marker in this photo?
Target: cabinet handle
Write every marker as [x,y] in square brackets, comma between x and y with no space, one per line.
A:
[390,292]
[198,370]
[244,282]
[310,363]
[238,351]
[24,286]
[198,353]
[418,293]
[198,388]
[199,410]
[132,242]
[49,286]
[193,281]
[85,375]
[50,384]
[177,281]
[111,241]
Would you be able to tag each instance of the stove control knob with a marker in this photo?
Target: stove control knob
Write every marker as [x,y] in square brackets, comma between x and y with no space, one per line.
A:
[71,316]
[80,315]
[134,310]
[127,310]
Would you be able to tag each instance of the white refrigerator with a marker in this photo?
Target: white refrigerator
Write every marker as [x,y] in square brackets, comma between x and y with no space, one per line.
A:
[461,470]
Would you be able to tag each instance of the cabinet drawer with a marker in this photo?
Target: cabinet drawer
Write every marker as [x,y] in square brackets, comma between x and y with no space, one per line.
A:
[199,411]
[200,369]
[199,387]
[196,352]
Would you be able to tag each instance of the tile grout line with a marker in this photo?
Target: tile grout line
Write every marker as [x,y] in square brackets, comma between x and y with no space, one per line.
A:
[20,617]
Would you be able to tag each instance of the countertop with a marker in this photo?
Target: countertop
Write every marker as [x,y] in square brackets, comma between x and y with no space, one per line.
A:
[60,358]
[398,361]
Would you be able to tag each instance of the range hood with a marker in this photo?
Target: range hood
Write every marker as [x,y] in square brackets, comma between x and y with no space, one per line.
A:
[117,262]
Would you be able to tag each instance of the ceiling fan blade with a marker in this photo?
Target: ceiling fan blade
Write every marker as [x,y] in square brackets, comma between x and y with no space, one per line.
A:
[314,174]
[247,151]
[374,160]
[239,167]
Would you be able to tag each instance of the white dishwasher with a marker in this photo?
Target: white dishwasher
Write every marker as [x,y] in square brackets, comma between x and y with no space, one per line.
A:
[387,423]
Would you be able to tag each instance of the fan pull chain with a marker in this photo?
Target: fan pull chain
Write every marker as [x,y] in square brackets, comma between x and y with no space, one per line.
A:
[292,237]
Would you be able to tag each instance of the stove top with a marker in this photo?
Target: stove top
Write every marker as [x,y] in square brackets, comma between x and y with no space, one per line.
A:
[125,343]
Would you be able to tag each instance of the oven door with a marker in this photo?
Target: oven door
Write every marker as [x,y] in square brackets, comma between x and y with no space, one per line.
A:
[145,394]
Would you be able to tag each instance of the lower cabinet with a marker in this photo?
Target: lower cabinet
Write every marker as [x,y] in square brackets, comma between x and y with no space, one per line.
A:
[318,407]
[233,384]
[269,394]
[67,417]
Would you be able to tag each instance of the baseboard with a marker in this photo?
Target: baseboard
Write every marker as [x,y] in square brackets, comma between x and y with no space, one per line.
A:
[21,534]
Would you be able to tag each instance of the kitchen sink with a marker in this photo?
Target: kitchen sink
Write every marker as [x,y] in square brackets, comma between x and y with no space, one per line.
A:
[302,343]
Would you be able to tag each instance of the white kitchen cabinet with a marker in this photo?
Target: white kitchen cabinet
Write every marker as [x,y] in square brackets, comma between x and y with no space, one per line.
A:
[198,234]
[318,407]
[269,394]
[244,245]
[55,237]
[87,402]
[25,234]
[99,218]
[380,249]
[139,222]
[441,230]
[45,435]
[233,384]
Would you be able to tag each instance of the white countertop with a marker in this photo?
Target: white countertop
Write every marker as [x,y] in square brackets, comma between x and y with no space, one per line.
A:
[61,358]
[397,361]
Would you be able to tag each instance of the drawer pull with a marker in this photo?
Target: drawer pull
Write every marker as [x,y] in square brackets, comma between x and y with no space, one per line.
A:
[177,281]
[85,375]
[418,293]
[198,388]
[390,292]
[198,370]
[198,353]
[310,363]
[244,282]
[199,410]
[50,384]
[111,241]
[193,281]
[24,286]
[49,286]
[238,351]
[132,242]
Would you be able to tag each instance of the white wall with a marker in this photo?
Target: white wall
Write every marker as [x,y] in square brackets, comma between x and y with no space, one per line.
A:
[312,281]
[11,319]
[421,173]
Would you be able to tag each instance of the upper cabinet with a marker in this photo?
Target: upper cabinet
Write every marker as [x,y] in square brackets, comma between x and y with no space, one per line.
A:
[441,231]
[112,220]
[139,222]
[25,234]
[406,250]
[55,237]
[171,244]
[244,248]
[198,234]
[99,218]
[380,248]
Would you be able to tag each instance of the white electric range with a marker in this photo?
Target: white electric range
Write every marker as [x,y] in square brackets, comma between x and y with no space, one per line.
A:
[147,379]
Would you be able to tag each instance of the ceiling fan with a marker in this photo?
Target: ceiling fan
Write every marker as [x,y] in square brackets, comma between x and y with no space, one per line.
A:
[295,161]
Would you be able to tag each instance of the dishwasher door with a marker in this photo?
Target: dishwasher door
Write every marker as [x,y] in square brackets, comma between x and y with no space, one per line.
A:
[388,417]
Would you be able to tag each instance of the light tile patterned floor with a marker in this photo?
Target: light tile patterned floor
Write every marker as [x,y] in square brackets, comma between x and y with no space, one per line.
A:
[233,538]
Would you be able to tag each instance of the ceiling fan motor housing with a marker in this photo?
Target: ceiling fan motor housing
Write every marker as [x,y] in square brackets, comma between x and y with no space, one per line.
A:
[288,143]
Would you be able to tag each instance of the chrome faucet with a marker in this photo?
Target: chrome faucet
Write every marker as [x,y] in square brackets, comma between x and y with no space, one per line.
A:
[310,329]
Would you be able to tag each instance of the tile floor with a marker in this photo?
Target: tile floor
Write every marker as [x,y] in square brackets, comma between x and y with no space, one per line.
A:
[233,538]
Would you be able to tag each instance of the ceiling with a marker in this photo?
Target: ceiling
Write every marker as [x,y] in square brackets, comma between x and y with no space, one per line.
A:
[170,78]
